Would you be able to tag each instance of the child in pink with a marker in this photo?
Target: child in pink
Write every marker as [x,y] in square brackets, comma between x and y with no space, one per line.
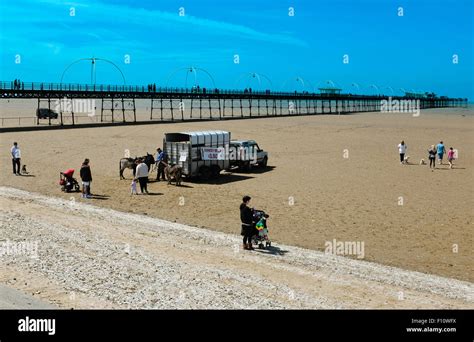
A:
[450,157]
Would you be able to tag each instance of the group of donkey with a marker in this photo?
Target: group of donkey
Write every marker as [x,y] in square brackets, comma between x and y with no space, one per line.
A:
[172,172]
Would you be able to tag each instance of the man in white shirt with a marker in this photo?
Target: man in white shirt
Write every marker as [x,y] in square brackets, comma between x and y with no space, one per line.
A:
[16,157]
[142,175]
[402,148]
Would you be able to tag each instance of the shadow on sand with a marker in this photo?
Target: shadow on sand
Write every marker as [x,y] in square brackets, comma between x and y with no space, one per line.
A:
[223,178]
[100,197]
[271,250]
[150,194]
[254,170]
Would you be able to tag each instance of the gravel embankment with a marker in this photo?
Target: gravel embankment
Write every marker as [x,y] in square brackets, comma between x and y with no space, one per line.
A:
[94,257]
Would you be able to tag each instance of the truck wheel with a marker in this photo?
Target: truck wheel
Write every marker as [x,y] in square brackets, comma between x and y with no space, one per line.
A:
[215,171]
[205,172]
[263,164]
[245,166]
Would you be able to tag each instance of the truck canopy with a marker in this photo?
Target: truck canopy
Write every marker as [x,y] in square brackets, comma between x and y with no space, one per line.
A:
[200,138]
[186,149]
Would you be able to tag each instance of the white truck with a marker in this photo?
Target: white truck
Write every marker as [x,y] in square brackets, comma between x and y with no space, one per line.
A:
[201,154]
[249,154]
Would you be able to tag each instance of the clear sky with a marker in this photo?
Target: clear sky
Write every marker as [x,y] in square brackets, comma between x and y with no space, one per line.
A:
[383,46]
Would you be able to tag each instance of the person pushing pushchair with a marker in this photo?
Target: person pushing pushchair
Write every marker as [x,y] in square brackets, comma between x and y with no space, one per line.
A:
[254,226]
[248,224]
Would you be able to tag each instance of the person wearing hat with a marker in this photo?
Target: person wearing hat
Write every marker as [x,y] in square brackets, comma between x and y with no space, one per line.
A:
[248,224]
[162,162]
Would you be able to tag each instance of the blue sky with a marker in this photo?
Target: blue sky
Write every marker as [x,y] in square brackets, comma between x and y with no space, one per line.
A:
[413,51]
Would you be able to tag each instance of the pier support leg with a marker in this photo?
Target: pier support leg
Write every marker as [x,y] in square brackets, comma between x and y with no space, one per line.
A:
[112,112]
[49,108]
[171,108]
[123,111]
[161,109]
[151,109]
[210,108]
[200,108]
[134,111]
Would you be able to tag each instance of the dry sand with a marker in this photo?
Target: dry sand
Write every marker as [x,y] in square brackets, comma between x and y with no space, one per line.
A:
[92,257]
[348,199]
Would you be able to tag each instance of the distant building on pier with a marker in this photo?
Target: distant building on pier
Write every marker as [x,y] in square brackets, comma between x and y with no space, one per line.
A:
[330,91]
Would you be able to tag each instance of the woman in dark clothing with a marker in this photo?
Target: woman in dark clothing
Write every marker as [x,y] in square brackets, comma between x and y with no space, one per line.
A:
[86,177]
[248,225]
[432,156]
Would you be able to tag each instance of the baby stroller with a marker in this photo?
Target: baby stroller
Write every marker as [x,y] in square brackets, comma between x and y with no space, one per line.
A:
[261,236]
[68,182]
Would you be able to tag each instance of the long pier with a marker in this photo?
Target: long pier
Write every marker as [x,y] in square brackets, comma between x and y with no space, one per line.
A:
[118,103]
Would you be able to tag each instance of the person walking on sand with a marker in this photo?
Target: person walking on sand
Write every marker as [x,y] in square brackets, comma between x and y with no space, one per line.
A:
[402,148]
[86,177]
[142,175]
[441,151]
[450,157]
[248,225]
[432,156]
[16,158]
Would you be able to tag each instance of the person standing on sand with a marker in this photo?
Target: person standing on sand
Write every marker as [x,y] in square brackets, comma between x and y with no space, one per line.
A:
[450,157]
[16,158]
[402,148]
[432,156]
[248,225]
[142,175]
[441,151]
[133,187]
[161,160]
[86,177]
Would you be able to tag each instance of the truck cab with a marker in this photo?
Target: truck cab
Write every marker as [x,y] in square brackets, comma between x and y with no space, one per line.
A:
[248,154]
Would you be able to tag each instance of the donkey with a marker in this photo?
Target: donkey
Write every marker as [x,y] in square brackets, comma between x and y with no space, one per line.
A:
[131,163]
[175,172]
[127,163]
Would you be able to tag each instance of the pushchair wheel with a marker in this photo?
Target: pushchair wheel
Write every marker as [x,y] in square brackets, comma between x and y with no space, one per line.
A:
[260,245]
[268,244]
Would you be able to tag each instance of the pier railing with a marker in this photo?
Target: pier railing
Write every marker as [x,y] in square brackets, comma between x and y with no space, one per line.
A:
[76,87]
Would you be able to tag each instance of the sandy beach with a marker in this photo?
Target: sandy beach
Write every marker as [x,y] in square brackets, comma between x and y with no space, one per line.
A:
[329,177]
[93,257]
